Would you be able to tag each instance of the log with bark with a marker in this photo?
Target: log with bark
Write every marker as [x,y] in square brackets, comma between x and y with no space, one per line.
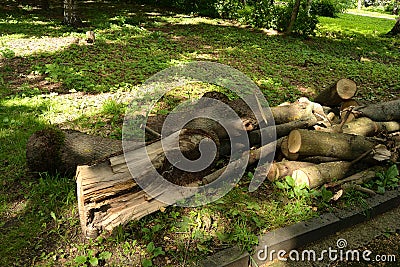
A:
[384,111]
[343,89]
[338,145]
[317,175]
[55,151]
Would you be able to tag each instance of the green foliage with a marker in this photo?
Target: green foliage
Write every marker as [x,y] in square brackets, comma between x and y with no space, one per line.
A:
[92,259]
[386,180]
[305,23]
[330,8]
[292,190]
[153,252]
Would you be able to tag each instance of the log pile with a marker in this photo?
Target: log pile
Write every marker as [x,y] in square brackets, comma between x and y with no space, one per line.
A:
[327,142]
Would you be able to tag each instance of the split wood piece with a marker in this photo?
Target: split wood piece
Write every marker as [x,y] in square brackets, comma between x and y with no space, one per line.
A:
[252,155]
[53,150]
[385,111]
[279,170]
[108,195]
[346,108]
[338,145]
[334,95]
[317,175]
[280,129]
[300,110]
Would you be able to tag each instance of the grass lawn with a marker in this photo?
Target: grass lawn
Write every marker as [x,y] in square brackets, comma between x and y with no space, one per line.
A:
[48,75]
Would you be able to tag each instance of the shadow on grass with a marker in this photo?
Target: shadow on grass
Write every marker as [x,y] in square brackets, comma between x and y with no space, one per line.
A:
[27,202]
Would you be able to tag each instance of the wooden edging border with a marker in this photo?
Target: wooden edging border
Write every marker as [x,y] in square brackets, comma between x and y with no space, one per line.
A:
[299,234]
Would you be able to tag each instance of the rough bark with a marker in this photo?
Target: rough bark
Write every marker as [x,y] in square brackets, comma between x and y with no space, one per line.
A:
[280,129]
[335,94]
[384,111]
[293,17]
[337,145]
[52,150]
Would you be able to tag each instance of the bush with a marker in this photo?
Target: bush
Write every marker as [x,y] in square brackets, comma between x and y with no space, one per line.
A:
[330,8]
[259,14]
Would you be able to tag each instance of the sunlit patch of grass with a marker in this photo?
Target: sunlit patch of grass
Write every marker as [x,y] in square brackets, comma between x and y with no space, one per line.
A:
[351,25]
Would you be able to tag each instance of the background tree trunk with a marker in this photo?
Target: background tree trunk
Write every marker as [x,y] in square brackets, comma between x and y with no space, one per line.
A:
[308,7]
[293,18]
[359,4]
[71,17]
[396,28]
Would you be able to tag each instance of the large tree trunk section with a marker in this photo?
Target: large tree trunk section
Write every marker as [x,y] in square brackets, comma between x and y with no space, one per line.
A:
[385,111]
[317,175]
[108,194]
[334,95]
[337,145]
[52,150]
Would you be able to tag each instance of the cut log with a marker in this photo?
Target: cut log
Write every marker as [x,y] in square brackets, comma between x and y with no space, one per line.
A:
[301,110]
[280,170]
[108,194]
[338,145]
[361,126]
[52,150]
[285,150]
[385,111]
[334,95]
[317,175]
[280,129]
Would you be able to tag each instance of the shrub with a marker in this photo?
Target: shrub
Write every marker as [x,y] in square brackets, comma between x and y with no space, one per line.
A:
[330,8]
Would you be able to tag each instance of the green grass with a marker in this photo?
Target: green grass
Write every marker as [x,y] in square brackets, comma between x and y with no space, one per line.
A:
[84,87]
